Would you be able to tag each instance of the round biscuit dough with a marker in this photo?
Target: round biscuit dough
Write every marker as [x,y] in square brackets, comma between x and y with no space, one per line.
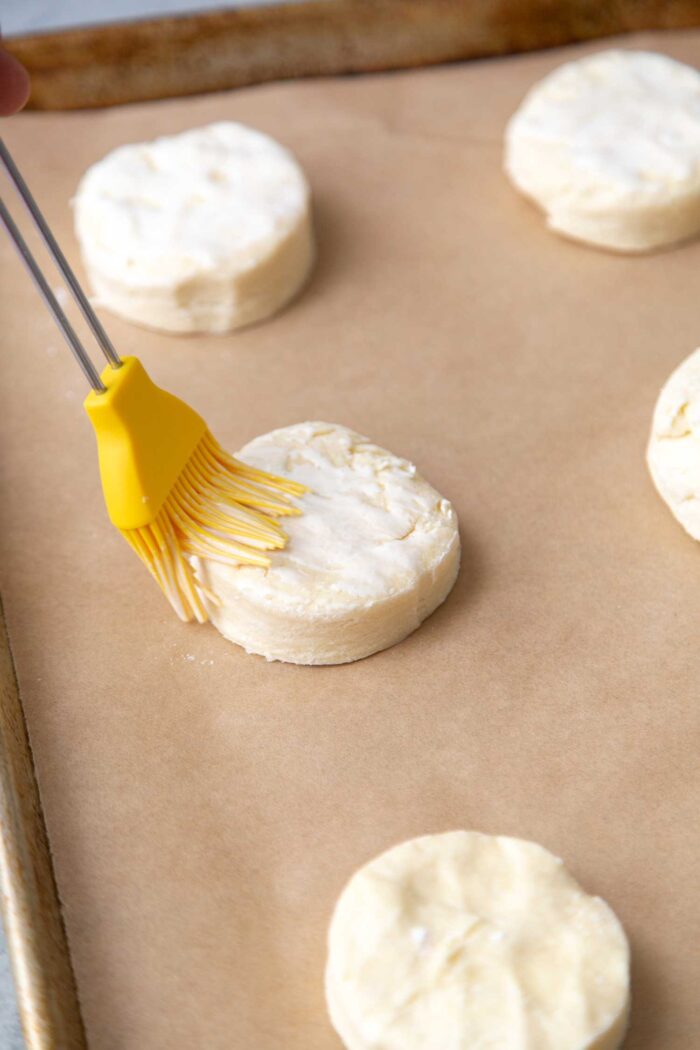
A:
[374,552]
[673,453]
[464,940]
[205,231]
[609,147]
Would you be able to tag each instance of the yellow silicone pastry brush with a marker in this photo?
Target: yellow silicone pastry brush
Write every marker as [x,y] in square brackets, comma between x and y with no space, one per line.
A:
[169,487]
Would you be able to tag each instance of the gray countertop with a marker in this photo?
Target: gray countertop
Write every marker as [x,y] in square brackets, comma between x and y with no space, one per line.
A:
[10,1032]
[34,16]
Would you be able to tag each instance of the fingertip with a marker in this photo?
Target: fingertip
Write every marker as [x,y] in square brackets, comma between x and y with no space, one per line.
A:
[14,84]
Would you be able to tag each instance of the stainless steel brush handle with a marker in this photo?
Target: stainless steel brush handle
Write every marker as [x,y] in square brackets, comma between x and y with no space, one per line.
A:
[81,356]
[59,258]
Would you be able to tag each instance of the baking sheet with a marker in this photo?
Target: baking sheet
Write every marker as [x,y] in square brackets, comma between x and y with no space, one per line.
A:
[205,808]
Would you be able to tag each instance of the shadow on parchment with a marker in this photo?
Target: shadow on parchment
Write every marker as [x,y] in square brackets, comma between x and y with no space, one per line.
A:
[446,617]
[649,1020]
[339,254]
[469,583]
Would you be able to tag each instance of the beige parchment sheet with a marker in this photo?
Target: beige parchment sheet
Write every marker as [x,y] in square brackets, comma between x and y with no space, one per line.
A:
[205,808]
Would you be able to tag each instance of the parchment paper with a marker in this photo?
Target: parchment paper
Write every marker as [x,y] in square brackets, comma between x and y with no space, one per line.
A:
[205,808]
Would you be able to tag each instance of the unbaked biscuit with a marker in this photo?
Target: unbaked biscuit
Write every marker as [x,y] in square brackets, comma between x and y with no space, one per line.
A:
[200,232]
[465,940]
[609,147]
[374,552]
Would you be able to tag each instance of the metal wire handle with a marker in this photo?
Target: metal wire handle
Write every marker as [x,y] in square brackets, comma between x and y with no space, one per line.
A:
[42,284]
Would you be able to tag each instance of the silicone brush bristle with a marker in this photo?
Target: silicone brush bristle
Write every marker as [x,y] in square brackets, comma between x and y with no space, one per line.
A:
[219,509]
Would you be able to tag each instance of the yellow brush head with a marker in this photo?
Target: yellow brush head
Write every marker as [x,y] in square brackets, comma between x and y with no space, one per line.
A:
[174,493]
